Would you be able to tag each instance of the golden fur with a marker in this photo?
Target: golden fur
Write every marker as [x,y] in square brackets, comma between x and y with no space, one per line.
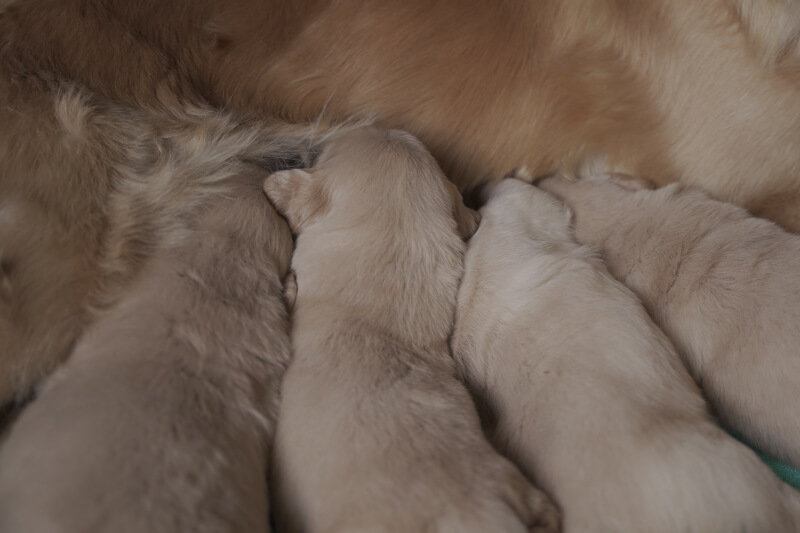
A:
[375,432]
[723,284]
[96,94]
[704,92]
[162,418]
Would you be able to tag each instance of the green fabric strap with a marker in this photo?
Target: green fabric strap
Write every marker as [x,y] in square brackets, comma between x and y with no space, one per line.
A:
[787,473]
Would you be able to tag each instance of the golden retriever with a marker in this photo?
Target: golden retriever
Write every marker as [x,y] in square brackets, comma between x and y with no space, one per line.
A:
[586,394]
[703,92]
[724,285]
[375,432]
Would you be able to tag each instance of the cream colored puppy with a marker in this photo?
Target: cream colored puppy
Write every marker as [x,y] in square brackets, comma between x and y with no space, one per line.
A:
[375,432]
[587,395]
[157,402]
[724,285]
[161,419]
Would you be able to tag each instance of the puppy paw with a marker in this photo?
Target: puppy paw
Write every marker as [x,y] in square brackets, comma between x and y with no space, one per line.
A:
[496,497]
[522,173]
[518,506]
[536,510]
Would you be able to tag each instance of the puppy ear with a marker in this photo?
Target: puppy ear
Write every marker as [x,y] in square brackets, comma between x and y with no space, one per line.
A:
[626,181]
[297,196]
[467,220]
[558,186]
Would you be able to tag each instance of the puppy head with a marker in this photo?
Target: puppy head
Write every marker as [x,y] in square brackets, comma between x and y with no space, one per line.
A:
[368,171]
[601,204]
[612,184]
[511,199]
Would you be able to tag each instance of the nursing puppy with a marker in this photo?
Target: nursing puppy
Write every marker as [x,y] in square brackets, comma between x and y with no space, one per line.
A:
[587,395]
[724,285]
[161,420]
[162,417]
[375,432]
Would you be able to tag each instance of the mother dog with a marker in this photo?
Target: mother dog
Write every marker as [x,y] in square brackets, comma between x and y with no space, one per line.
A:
[705,92]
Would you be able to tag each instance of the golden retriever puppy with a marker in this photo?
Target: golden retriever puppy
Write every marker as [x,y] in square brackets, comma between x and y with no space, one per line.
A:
[724,285]
[90,190]
[661,88]
[375,432]
[161,420]
[584,392]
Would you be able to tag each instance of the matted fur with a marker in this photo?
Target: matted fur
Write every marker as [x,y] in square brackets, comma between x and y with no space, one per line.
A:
[586,394]
[724,285]
[375,432]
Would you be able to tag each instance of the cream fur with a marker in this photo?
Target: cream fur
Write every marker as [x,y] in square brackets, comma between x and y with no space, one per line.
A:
[724,285]
[161,419]
[375,432]
[585,393]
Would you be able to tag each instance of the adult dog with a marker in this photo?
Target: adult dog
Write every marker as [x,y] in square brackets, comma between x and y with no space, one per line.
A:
[704,92]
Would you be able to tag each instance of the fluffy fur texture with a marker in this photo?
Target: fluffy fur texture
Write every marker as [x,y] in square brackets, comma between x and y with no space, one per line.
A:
[701,91]
[587,395]
[89,192]
[724,285]
[705,92]
[162,418]
[375,432]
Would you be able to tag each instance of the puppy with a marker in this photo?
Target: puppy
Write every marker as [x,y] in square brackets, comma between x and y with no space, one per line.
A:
[161,420]
[162,417]
[724,285]
[90,192]
[375,432]
[587,395]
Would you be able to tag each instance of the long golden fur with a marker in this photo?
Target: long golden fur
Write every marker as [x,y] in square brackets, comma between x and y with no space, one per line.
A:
[704,92]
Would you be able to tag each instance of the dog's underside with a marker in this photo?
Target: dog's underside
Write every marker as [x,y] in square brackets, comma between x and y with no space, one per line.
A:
[702,92]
